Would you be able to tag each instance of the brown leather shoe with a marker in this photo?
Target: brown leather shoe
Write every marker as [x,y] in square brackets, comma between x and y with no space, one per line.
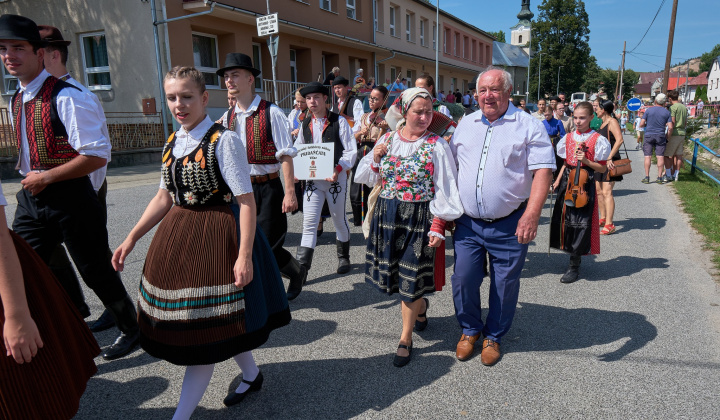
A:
[490,353]
[466,346]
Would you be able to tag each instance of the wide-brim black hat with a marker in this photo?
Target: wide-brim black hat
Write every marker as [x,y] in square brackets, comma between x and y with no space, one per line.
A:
[314,87]
[52,35]
[20,28]
[340,81]
[238,61]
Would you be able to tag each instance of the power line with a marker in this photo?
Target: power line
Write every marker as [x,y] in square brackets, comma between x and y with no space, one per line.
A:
[642,59]
[651,24]
[662,56]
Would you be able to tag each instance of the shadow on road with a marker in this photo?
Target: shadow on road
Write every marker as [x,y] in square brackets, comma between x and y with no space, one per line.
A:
[539,263]
[641,223]
[623,193]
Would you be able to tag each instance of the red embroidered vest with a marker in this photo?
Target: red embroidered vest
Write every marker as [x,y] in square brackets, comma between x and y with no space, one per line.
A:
[47,137]
[571,145]
[258,134]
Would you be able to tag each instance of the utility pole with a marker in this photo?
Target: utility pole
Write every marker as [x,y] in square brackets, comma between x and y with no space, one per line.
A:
[687,78]
[557,91]
[617,83]
[671,37]
[539,67]
[273,42]
[622,74]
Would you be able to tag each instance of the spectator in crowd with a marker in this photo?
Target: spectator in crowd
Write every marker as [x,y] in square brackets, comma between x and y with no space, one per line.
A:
[700,106]
[604,183]
[540,114]
[676,142]
[428,83]
[441,95]
[359,77]
[556,131]
[561,115]
[331,76]
[623,122]
[450,98]
[596,121]
[521,105]
[466,100]
[639,131]
[657,121]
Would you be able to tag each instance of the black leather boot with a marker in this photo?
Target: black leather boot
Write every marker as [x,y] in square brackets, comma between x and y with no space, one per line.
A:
[343,252]
[573,271]
[297,275]
[123,311]
[105,322]
[305,257]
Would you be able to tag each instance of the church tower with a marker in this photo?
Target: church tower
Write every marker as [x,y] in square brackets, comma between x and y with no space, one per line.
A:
[520,34]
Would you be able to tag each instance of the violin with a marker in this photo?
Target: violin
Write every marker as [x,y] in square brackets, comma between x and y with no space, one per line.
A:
[576,195]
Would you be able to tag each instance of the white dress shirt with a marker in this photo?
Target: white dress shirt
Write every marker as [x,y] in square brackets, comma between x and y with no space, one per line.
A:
[446,203]
[280,133]
[602,145]
[231,156]
[87,134]
[495,161]
[97,177]
[349,154]
[357,111]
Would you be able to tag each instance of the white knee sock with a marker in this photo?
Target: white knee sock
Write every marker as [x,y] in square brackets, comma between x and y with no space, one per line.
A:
[250,371]
[194,385]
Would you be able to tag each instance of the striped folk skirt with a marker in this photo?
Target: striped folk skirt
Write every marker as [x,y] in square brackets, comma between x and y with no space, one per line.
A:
[50,386]
[189,309]
[398,258]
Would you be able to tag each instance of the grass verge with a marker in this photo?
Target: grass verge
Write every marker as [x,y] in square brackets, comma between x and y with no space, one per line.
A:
[699,197]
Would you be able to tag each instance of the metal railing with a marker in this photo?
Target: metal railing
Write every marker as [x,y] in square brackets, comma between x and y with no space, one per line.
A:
[697,144]
[8,143]
[285,92]
[135,130]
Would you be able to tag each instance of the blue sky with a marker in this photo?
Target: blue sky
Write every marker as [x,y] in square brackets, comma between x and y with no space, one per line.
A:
[615,21]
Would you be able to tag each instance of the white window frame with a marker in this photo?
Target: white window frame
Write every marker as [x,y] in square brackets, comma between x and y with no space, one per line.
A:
[329,5]
[445,40]
[392,19]
[293,65]
[258,65]
[408,27]
[351,8]
[422,32]
[91,70]
[434,36]
[204,69]
[6,79]
[456,41]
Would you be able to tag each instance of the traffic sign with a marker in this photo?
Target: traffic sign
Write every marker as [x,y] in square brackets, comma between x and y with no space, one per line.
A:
[634,104]
[267,25]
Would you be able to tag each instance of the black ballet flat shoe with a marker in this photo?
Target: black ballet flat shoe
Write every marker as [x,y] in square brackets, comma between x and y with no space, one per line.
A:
[421,325]
[400,361]
[235,398]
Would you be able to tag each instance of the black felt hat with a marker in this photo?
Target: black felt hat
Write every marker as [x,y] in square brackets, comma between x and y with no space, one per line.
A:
[340,81]
[20,28]
[238,61]
[314,87]
[52,35]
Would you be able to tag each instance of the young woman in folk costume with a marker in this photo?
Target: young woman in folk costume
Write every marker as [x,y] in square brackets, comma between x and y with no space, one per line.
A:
[371,127]
[210,288]
[419,193]
[573,228]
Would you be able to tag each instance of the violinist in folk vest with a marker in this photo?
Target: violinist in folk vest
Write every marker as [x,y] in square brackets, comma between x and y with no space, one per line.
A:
[326,127]
[574,225]
[61,140]
[345,103]
[371,127]
[264,131]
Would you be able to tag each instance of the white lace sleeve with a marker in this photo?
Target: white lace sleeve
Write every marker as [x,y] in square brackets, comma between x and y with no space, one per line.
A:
[364,173]
[281,133]
[602,149]
[349,154]
[446,202]
[561,147]
[232,160]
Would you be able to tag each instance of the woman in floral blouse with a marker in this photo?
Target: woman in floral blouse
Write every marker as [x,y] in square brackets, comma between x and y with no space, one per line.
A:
[419,193]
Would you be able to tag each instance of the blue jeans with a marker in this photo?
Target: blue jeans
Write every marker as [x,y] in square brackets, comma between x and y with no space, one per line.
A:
[472,240]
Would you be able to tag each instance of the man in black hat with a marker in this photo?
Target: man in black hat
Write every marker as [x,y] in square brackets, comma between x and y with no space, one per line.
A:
[345,105]
[265,133]
[61,141]
[55,60]
[326,127]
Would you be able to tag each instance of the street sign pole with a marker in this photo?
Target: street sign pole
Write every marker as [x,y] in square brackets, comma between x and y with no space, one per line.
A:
[268,25]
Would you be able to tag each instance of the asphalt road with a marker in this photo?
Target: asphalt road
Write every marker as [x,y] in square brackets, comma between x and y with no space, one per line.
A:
[638,337]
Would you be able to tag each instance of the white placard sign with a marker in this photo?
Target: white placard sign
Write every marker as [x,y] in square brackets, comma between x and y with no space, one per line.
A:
[314,161]
[267,25]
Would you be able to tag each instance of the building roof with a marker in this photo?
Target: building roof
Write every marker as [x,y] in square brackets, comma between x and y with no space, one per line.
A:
[649,77]
[509,55]
[699,80]
[674,82]
[643,88]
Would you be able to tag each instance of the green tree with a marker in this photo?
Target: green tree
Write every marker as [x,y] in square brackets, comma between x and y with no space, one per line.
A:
[561,34]
[499,35]
[701,93]
[604,80]
[706,59]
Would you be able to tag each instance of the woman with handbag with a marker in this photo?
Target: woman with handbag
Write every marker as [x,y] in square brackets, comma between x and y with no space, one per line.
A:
[418,194]
[604,182]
